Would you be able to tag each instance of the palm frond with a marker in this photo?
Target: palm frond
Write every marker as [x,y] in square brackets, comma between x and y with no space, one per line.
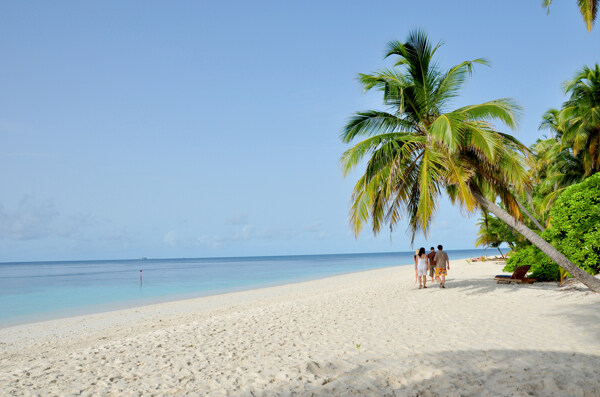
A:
[392,142]
[588,9]
[479,136]
[451,82]
[417,148]
[373,122]
[448,130]
[505,110]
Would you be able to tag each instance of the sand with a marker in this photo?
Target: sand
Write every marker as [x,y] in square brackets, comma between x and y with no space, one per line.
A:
[367,333]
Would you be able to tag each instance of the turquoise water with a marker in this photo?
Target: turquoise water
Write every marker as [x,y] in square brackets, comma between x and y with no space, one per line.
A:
[34,291]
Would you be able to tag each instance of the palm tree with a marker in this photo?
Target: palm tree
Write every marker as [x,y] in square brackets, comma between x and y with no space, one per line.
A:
[493,232]
[554,166]
[588,9]
[581,117]
[419,147]
[553,169]
[573,152]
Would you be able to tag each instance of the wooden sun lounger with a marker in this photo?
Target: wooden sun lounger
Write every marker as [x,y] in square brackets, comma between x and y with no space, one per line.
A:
[519,276]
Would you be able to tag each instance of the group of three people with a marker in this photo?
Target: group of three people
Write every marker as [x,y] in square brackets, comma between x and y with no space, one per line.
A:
[436,264]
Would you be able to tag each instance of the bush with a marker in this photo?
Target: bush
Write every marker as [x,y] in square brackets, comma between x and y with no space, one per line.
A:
[575,224]
[574,231]
[542,267]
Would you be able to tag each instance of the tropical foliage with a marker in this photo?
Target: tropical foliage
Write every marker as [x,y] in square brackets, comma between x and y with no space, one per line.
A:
[542,267]
[575,224]
[573,151]
[588,9]
[581,118]
[418,146]
[493,233]
[567,158]
[574,230]
[554,167]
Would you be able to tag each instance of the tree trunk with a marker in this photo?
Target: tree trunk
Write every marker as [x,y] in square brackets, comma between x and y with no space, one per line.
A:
[533,219]
[500,252]
[590,281]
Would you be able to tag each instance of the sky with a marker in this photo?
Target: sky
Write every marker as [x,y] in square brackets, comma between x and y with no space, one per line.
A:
[211,128]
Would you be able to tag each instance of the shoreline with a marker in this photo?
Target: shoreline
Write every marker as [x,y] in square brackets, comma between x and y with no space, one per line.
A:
[157,300]
[33,316]
[21,309]
[368,332]
[184,305]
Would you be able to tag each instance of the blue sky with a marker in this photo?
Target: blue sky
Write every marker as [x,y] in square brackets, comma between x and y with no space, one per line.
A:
[196,129]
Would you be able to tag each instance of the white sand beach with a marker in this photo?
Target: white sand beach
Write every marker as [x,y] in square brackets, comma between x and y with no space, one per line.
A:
[474,338]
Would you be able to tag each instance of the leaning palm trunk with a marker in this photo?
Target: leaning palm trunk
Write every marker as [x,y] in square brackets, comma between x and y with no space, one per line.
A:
[590,281]
[533,219]
[500,252]
[418,147]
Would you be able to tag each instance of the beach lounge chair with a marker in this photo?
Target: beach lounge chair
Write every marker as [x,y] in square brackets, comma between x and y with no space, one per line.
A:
[519,276]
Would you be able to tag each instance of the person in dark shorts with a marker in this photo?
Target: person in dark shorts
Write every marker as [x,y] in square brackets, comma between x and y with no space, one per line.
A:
[431,256]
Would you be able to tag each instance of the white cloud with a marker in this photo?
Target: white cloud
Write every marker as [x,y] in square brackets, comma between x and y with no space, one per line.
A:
[170,238]
[315,230]
[314,227]
[29,220]
[239,218]
[74,225]
[119,237]
[33,219]
[246,233]
[213,241]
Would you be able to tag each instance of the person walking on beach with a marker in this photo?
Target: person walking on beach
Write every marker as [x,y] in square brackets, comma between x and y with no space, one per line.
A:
[415,259]
[421,267]
[442,265]
[431,256]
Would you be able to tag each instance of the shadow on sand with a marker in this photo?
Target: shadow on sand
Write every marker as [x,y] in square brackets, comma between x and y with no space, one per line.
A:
[461,373]
[585,321]
[484,286]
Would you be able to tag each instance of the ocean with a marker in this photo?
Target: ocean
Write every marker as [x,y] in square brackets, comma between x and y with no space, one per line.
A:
[36,291]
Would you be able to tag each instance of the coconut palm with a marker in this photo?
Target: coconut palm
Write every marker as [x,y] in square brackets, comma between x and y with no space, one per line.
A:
[573,152]
[553,169]
[581,117]
[588,9]
[493,232]
[418,147]
[554,166]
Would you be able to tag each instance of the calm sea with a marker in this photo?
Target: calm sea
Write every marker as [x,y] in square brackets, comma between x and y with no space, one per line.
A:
[34,291]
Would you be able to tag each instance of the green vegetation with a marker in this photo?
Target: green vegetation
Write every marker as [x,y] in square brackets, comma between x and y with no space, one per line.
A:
[542,267]
[564,196]
[575,224]
[493,232]
[588,9]
[581,118]
[574,230]
[418,147]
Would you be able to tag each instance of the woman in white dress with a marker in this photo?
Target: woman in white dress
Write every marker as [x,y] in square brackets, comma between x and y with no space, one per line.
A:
[421,267]
[416,262]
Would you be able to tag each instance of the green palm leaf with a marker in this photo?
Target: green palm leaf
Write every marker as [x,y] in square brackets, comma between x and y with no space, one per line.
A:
[416,150]
[373,122]
[587,8]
